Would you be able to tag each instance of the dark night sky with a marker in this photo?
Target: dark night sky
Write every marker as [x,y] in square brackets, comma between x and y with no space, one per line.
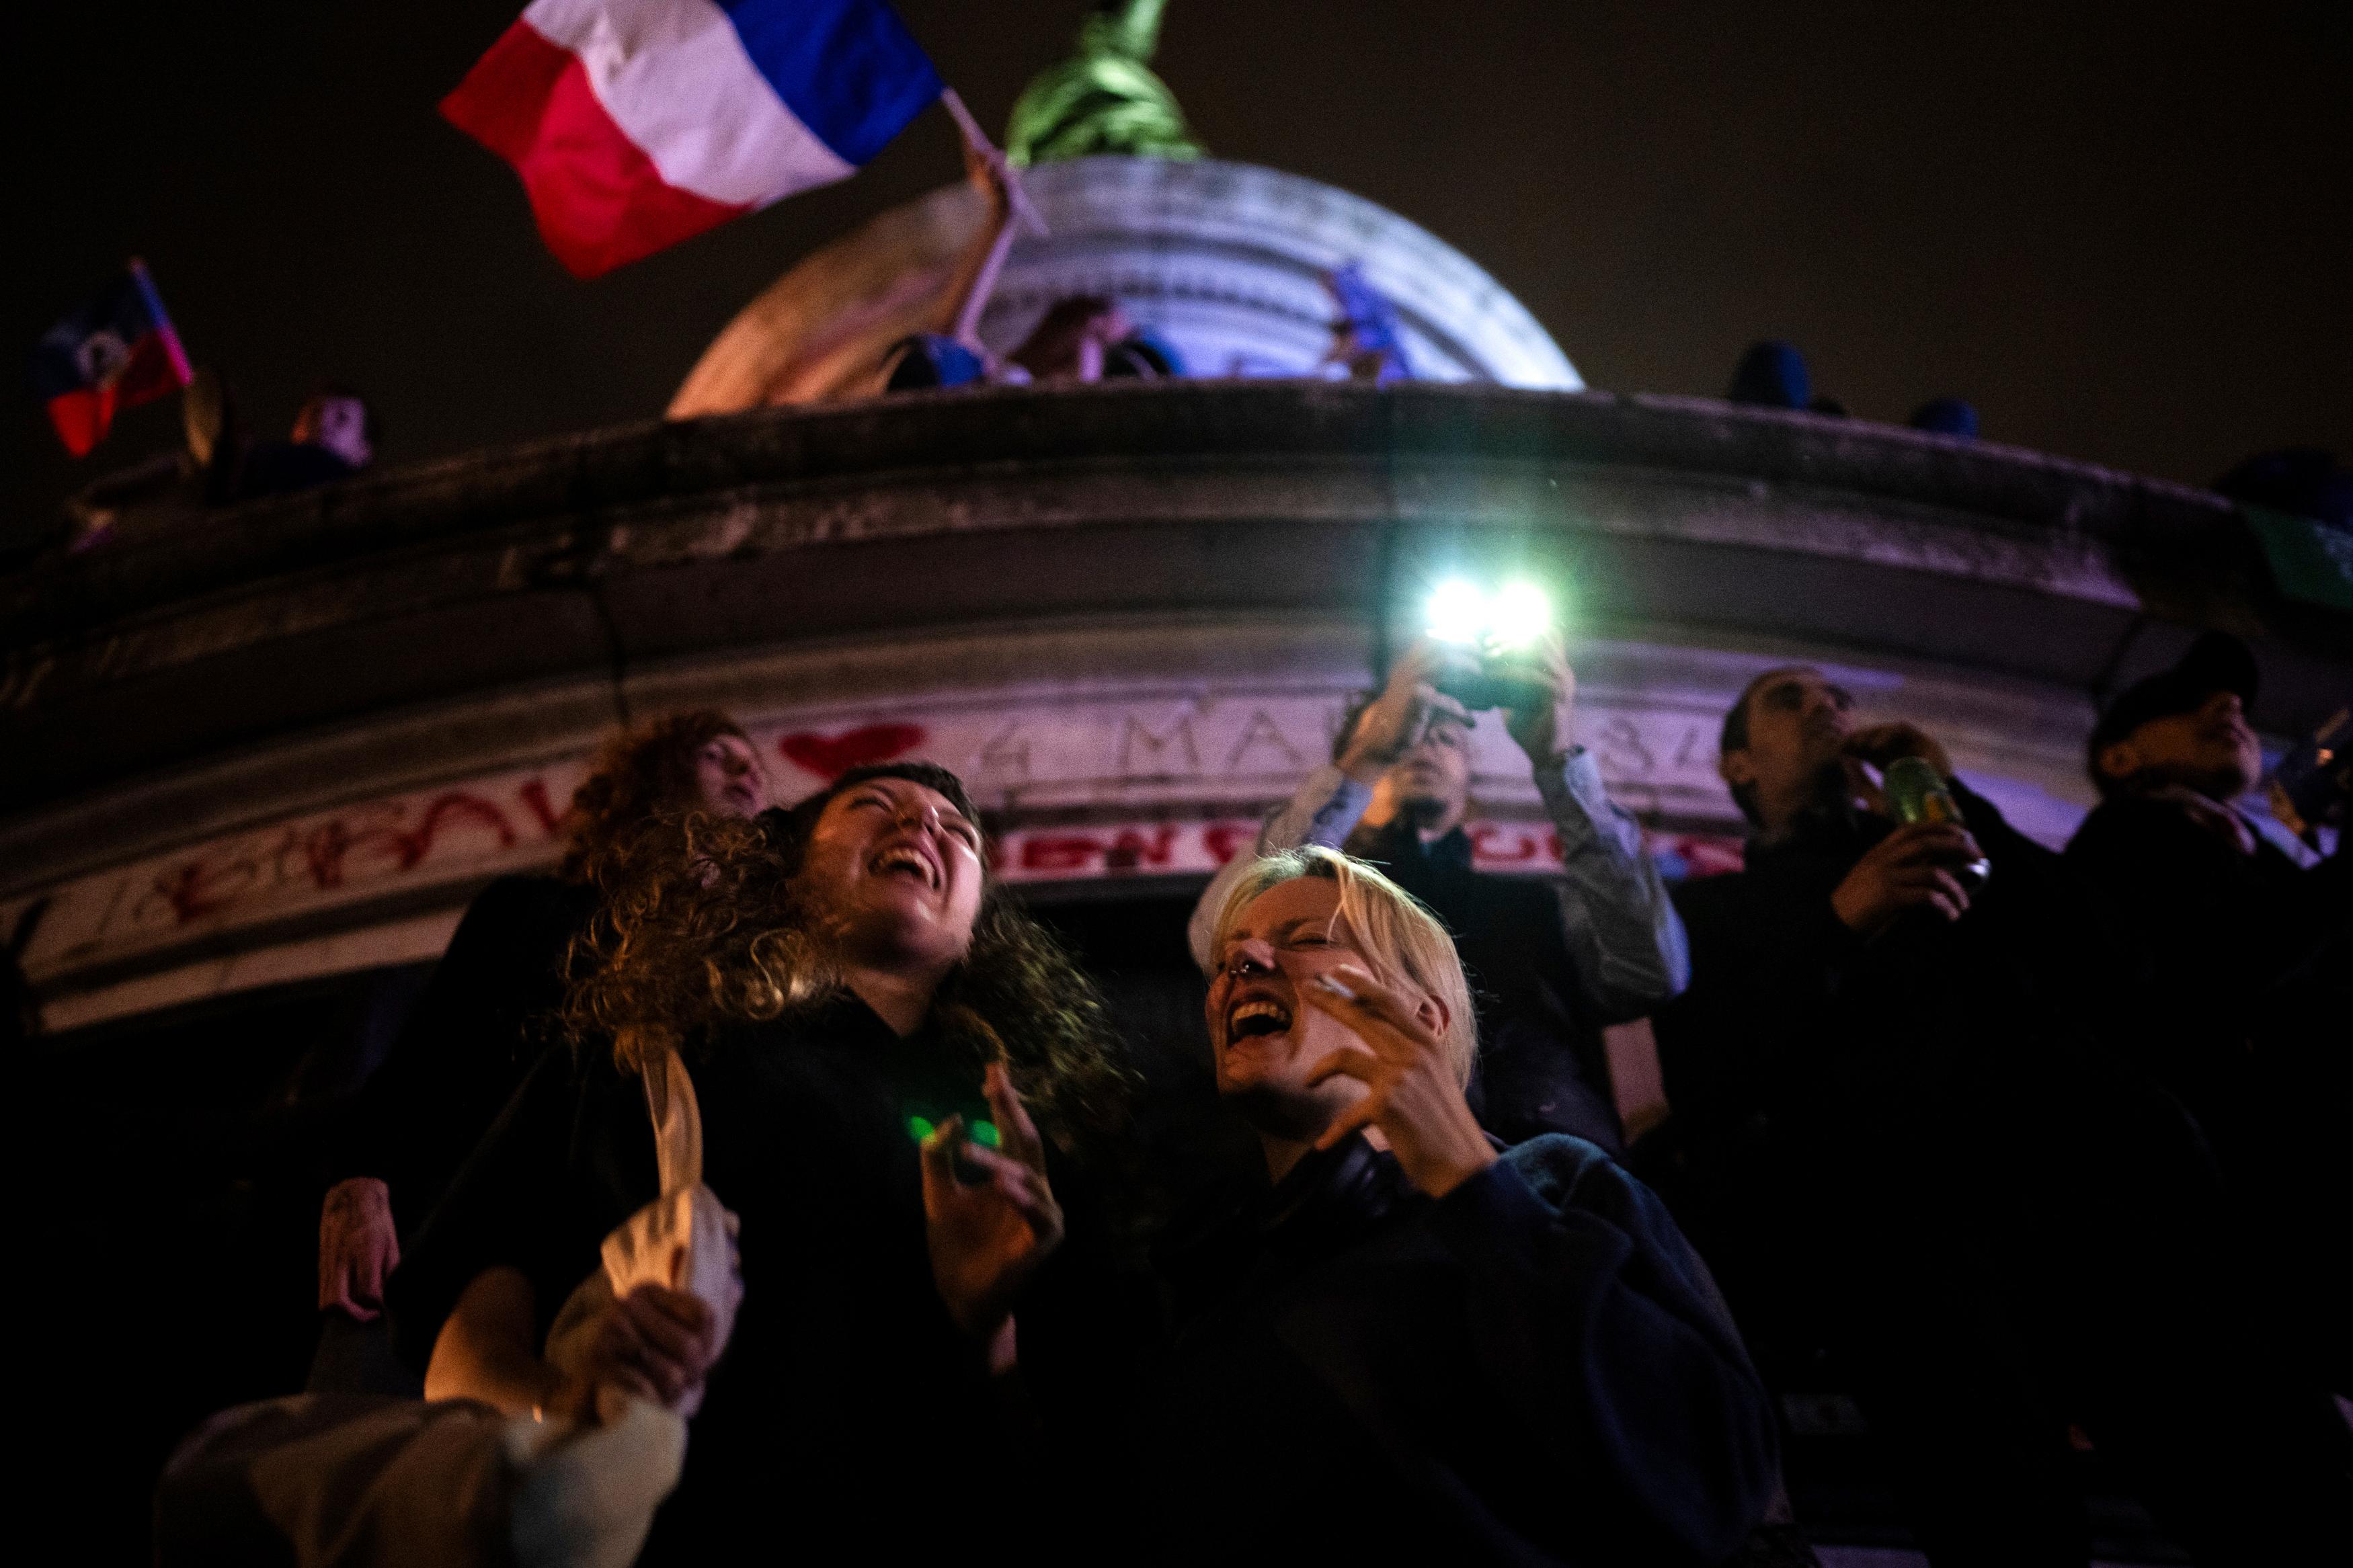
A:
[2124,231]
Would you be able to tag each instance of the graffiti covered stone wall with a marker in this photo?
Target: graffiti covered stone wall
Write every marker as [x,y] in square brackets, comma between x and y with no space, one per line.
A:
[1141,783]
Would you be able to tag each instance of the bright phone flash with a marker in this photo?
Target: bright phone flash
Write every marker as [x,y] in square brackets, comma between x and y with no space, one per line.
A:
[1458,612]
[1514,616]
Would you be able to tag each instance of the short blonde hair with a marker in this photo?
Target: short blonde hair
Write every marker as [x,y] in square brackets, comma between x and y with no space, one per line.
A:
[1401,941]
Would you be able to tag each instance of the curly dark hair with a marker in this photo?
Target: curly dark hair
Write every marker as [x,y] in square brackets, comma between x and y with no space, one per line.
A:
[725,933]
[641,789]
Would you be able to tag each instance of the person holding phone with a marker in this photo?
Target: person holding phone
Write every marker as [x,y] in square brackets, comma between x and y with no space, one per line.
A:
[1552,960]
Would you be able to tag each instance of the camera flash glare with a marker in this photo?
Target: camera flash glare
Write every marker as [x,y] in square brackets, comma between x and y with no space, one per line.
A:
[1457,612]
[1519,615]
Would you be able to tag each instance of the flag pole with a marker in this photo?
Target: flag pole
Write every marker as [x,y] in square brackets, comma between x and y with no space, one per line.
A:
[977,139]
[170,335]
[964,319]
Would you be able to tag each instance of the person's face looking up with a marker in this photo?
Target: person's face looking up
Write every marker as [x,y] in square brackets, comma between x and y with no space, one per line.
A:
[339,425]
[894,868]
[1799,723]
[2211,749]
[1431,783]
[1263,1040]
[728,778]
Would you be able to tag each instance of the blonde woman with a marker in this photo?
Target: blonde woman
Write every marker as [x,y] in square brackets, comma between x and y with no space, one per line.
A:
[1418,1345]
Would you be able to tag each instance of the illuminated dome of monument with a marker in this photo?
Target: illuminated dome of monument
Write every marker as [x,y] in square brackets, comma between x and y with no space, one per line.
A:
[1223,262]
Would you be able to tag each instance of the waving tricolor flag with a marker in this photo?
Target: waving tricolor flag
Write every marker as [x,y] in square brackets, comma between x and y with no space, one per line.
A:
[637,123]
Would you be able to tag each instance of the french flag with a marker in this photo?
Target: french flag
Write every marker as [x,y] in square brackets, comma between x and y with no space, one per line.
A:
[638,123]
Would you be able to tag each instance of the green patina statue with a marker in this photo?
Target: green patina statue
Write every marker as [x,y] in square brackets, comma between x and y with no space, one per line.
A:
[1103,100]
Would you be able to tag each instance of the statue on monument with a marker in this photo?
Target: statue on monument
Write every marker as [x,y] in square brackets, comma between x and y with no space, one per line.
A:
[1105,99]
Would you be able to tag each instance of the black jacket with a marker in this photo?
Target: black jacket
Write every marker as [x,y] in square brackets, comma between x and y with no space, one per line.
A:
[847,1407]
[1533,1369]
[483,1018]
[1799,1035]
[2245,954]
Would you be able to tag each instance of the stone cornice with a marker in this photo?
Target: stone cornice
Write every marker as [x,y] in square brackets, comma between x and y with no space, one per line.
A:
[621,550]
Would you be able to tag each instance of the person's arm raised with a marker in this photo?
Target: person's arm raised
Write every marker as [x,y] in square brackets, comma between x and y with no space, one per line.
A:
[1623,932]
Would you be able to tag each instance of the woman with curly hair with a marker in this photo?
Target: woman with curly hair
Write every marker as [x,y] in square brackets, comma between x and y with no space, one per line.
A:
[485,1014]
[869,1025]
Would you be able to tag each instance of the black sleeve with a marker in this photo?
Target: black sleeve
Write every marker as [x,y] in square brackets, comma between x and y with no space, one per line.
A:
[474,1032]
[1768,968]
[518,1202]
[2223,931]
[1590,1312]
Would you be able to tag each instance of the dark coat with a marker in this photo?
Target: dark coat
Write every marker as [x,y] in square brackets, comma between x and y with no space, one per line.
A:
[483,1020]
[1799,1037]
[2245,956]
[848,1407]
[1533,1369]
[1933,1152]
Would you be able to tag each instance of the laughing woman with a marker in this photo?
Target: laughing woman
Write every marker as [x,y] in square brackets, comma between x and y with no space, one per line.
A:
[1416,1347]
[869,1027]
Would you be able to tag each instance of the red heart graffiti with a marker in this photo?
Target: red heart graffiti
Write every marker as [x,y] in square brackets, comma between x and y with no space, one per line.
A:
[830,756]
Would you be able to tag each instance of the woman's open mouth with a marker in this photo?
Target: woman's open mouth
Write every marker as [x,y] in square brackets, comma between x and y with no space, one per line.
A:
[906,860]
[1248,1020]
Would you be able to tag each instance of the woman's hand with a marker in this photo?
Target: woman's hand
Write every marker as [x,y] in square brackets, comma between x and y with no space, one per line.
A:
[654,1342]
[989,1236]
[358,1246]
[1414,1100]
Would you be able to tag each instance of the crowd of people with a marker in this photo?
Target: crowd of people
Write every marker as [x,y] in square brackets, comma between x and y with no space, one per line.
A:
[789,1123]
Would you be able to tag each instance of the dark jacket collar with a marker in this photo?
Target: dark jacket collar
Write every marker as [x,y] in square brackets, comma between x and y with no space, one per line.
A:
[1325,1202]
[1397,844]
[1837,834]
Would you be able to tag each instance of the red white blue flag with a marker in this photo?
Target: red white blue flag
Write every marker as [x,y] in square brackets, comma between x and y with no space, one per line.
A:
[638,123]
[116,352]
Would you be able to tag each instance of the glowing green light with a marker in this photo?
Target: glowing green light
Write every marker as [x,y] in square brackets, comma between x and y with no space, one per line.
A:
[984,1134]
[919,1127]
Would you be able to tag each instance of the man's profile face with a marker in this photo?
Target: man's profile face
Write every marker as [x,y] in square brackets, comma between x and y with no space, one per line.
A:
[1798,721]
[2211,749]
[1431,781]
